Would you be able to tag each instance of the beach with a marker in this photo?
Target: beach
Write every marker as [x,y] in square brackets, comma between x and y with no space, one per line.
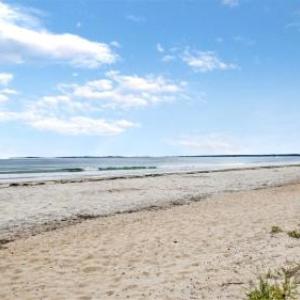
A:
[198,235]
[149,150]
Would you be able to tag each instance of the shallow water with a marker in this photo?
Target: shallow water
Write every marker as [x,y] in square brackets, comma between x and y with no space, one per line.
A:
[49,168]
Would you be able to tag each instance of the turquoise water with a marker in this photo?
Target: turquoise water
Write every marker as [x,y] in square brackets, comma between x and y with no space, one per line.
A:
[19,168]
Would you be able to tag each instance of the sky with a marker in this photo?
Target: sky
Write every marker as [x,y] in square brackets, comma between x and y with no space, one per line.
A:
[149,77]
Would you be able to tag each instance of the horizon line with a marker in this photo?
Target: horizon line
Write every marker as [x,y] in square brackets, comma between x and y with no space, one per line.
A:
[155,156]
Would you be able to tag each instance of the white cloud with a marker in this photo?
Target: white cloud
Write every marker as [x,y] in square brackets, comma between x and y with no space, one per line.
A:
[168,55]
[231,3]
[9,92]
[160,48]
[5,78]
[74,125]
[205,61]
[124,91]
[168,58]
[3,98]
[6,116]
[6,93]
[81,125]
[115,44]
[19,15]
[22,38]
[151,84]
[73,111]
[208,144]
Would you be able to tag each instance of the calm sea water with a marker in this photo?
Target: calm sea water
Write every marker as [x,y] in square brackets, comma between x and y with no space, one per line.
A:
[30,168]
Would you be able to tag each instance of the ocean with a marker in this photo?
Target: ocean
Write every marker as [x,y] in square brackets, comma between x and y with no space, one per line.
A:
[64,167]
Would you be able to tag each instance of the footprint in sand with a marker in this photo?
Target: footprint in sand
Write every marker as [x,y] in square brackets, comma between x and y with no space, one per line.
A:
[109,293]
[91,269]
[85,298]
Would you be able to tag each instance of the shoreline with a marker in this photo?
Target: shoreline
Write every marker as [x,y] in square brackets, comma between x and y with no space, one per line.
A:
[38,208]
[94,178]
[209,249]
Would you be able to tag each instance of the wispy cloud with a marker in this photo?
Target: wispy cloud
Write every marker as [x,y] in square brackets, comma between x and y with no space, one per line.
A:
[5,78]
[75,125]
[160,48]
[168,58]
[22,37]
[205,61]
[208,144]
[115,44]
[198,60]
[135,18]
[244,40]
[80,125]
[5,93]
[293,25]
[231,3]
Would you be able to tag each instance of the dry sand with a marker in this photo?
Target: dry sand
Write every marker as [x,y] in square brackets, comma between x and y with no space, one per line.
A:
[35,207]
[204,250]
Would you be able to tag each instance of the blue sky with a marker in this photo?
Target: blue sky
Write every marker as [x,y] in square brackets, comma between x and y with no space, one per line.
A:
[149,77]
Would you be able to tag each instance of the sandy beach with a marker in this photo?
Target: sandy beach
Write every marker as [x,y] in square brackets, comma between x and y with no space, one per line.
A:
[33,207]
[149,150]
[203,236]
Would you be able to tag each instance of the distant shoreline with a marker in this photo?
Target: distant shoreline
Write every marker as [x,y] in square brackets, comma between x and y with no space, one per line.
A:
[163,156]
